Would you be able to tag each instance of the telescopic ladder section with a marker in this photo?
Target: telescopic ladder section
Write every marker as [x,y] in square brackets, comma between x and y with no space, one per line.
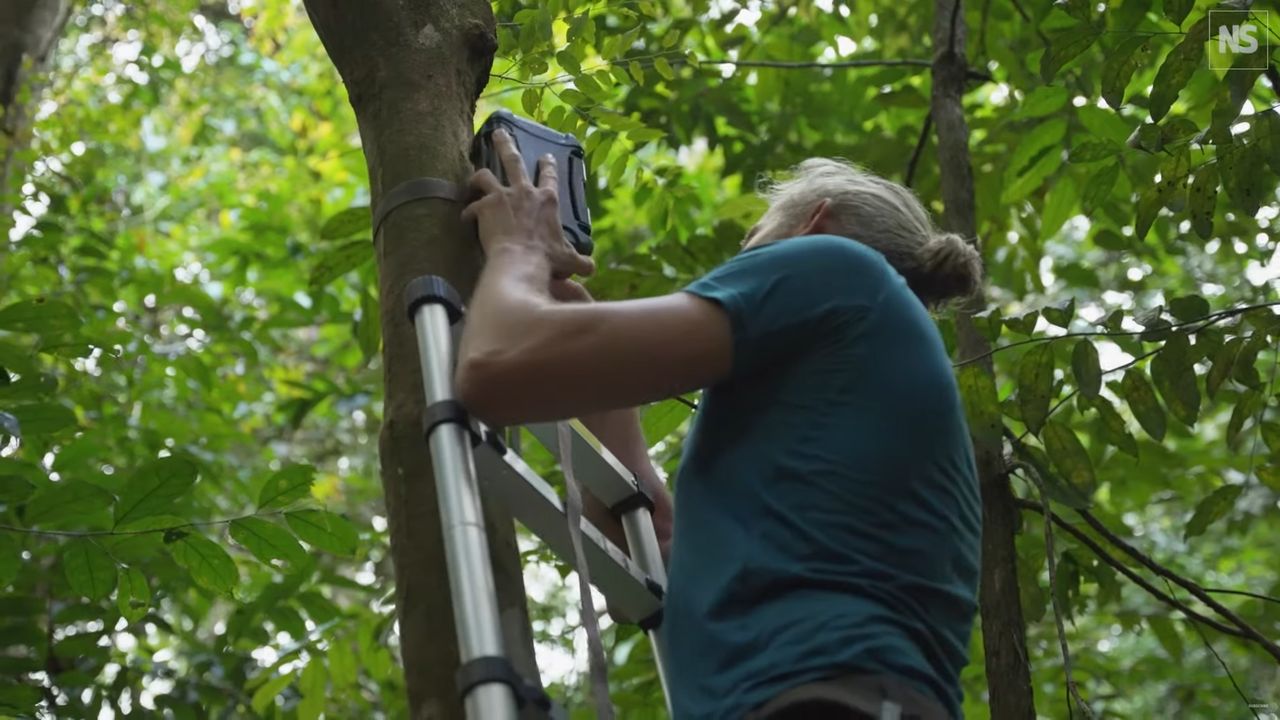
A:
[466,457]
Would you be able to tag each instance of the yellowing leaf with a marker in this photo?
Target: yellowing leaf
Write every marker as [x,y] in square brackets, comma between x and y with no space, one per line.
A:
[1142,401]
[1087,369]
[1035,386]
[1070,458]
[1212,508]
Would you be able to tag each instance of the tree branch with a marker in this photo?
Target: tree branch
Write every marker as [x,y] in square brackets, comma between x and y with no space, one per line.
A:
[1073,692]
[1125,570]
[920,143]
[1245,593]
[1222,664]
[1209,319]
[1191,587]
[115,533]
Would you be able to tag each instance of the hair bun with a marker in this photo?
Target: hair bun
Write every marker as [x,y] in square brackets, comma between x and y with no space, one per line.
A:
[948,268]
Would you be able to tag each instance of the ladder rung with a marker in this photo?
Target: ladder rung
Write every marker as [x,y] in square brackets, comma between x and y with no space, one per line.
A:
[537,506]
[594,466]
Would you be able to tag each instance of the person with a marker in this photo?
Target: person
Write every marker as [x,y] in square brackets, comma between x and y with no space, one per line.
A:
[823,541]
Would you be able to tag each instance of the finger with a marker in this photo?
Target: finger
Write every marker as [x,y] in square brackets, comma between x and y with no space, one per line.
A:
[511,160]
[472,211]
[547,177]
[485,182]
[583,265]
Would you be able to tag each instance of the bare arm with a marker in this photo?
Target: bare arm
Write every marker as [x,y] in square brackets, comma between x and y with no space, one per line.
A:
[619,431]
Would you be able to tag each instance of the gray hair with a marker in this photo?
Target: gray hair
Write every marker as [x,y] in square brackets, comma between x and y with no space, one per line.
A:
[885,216]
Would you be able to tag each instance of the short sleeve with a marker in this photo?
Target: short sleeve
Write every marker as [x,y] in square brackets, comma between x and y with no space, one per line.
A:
[783,296]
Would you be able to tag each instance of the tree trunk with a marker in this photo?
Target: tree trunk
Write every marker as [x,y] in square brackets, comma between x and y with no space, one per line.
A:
[413,71]
[1003,629]
[29,30]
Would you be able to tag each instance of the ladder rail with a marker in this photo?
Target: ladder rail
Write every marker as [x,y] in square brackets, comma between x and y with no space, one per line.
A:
[474,594]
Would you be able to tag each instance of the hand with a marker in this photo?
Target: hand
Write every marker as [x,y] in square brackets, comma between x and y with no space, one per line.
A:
[566,290]
[521,214]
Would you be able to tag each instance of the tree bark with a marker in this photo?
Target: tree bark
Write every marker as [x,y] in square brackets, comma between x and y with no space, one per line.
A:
[29,30]
[413,71]
[1003,628]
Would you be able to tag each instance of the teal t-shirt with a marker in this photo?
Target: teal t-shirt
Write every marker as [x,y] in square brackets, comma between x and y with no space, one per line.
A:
[827,515]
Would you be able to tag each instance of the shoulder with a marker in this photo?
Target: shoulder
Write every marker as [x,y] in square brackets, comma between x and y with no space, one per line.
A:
[825,254]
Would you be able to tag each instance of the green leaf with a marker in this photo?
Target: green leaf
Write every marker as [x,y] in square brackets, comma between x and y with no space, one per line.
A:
[1087,369]
[530,100]
[19,699]
[1177,69]
[343,671]
[1129,55]
[1067,583]
[1035,386]
[1094,150]
[1271,436]
[1269,475]
[1071,459]
[575,98]
[312,684]
[1265,127]
[1065,46]
[325,530]
[1223,362]
[1189,307]
[338,261]
[570,61]
[133,596]
[1113,427]
[1246,407]
[1175,379]
[10,559]
[286,485]
[210,566]
[1045,138]
[1142,401]
[662,418]
[1203,200]
[1042,101]
[39,419]
[344,224]
[1060,314]
[267,541]
[1211,508]
[1024,324]
[1149,205]
[1167,635]
[72,503]
[1060,205]
[1099,187]
[1241,169]
[90,571]
[266,694]
[981,402]
[154,489]
[636,71]
[1176,10]
[39,315]
[664,68]
[1033,178]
